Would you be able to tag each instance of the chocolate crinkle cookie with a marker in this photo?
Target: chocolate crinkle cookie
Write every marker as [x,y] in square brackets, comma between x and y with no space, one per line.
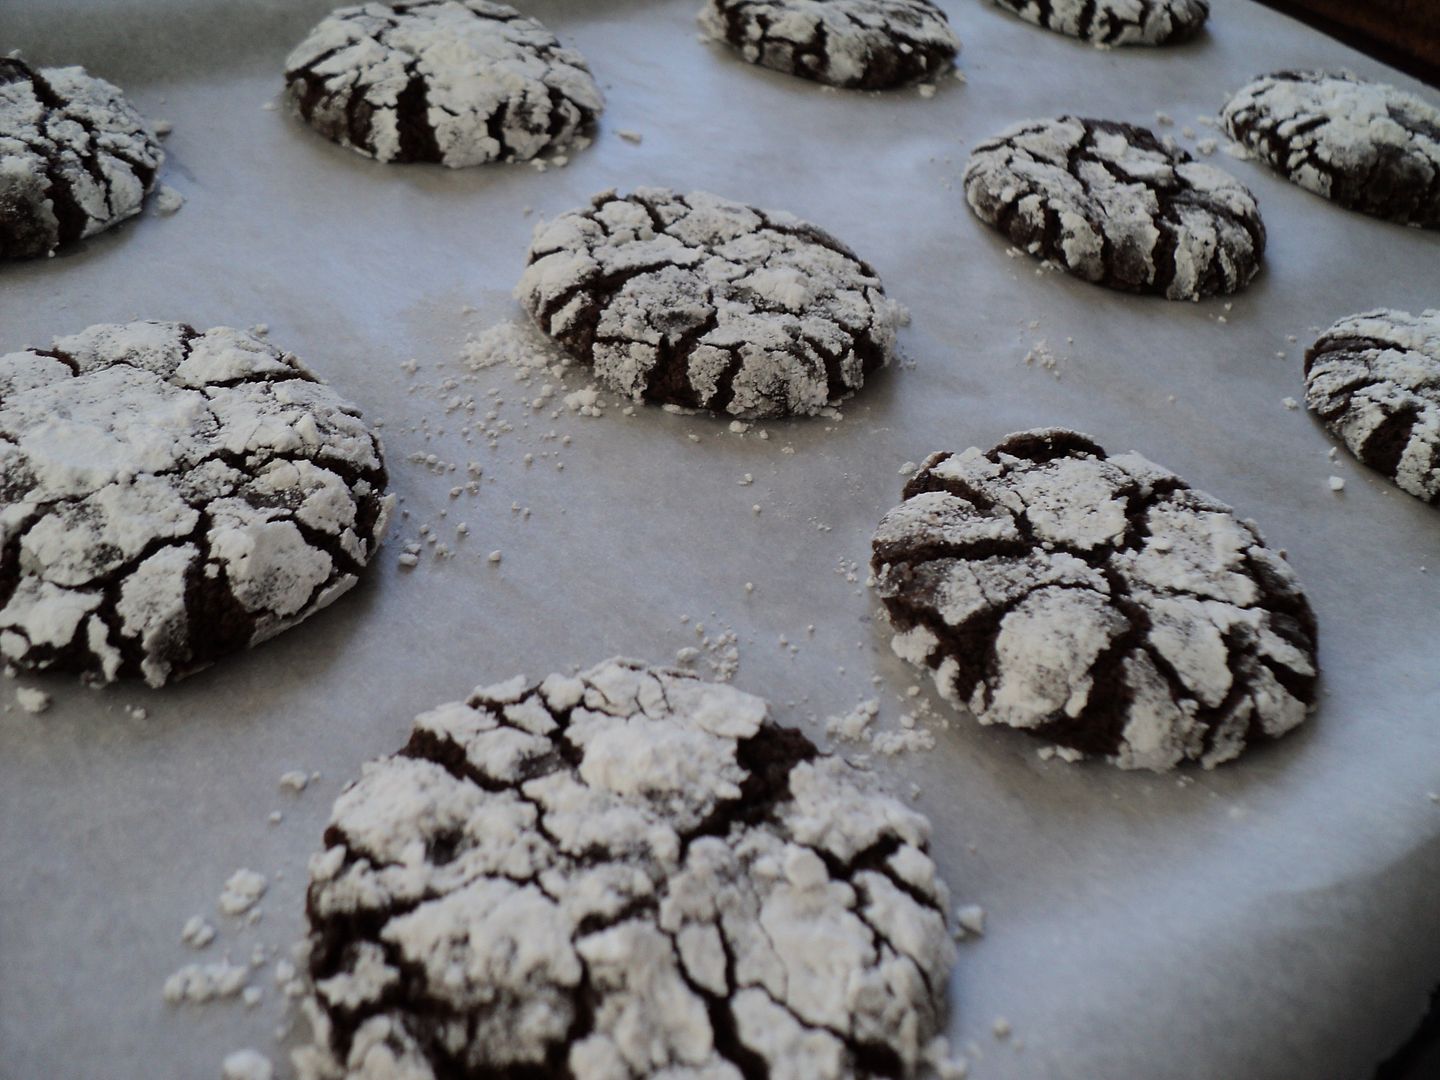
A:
[622,874]
[697,301]
[460,82]
[1374,380]
[1367,146]
[1096,602]
[75,158]
[854,44]
[1115,22]
[168,496]
[1112,204]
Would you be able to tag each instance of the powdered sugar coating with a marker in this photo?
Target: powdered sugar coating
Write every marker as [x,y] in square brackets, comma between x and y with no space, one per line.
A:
[1115,22]
[626,873]
[855,44]
[1113,205]
[168,496]
[1096,602]
[461,82]
[75,158]
[1368,146]
[698,301]
[1374,379]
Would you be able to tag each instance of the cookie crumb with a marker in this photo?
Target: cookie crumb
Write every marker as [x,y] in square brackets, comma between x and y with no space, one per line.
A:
[246,1065]
[196,984]
[242,891]
[168,200]
[31,700]
[1337,483]
[632,137]
[854,724]
[1001,1028]
[294,780]
[197,933]
[1290,403]
[971,918]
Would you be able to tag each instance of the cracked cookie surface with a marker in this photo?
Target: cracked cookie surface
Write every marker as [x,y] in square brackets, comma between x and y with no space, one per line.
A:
[1113,205]
[1367,146]
[1115,22]
[697,301]
[75,158]
[1374,380]
[1096,602]
[853,44]
[169,496]
[460,82]
[625,873]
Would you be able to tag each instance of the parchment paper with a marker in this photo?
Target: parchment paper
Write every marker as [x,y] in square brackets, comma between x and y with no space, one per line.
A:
[1274,920]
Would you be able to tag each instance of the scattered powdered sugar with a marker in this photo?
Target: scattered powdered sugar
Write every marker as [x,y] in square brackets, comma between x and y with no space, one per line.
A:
[854,725]
[197,984]
[32,700]
[242,891]
[246,1065]
[902,740]
[720,651]
[168,200]
[858,726]
[197,933]
[1041,355]
[971,918]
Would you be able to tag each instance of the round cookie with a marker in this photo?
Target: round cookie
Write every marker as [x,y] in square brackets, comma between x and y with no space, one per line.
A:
[1374,380]
[460,82]
[75,158]
[854,44]
[622,874]
[697,301]
[1367,146]
[1113,205]
[1096,602]
[168,496]
[1115,22]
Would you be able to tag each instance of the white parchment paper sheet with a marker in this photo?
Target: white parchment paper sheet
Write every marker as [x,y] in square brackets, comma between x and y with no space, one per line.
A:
[1274,920]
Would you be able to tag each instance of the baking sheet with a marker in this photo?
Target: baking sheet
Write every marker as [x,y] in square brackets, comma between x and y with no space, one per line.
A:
[1274,920]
